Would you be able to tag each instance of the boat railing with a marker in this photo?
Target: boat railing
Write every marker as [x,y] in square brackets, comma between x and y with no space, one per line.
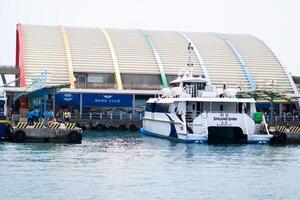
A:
[265,125]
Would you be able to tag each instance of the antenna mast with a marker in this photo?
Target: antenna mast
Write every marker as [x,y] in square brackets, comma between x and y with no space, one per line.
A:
[190,64]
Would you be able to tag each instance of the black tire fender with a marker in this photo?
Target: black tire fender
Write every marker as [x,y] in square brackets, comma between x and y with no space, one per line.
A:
[133,127]
[122,128]
[99,127]
[278,138]
[19,136]
[74,137]
[277,134]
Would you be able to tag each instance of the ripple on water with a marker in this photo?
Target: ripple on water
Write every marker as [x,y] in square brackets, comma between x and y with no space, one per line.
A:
[113,165]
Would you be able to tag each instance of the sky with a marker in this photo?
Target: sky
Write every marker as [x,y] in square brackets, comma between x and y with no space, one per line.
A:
[276,22]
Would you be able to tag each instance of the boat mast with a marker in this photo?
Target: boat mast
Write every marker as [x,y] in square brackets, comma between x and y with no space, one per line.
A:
[190,64]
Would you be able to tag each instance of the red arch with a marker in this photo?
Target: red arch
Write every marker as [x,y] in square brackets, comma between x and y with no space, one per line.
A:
[20,54]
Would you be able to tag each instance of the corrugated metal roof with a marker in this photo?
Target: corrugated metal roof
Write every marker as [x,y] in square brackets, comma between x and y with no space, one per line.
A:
[44,48]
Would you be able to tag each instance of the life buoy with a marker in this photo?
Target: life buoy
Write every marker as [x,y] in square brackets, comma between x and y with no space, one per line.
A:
[19,136]
[74,137]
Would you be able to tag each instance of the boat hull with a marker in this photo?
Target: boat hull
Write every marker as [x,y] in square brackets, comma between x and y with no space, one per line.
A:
[202,138]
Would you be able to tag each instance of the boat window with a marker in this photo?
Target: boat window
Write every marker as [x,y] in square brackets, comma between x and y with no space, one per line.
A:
[201,86]
[1,109]
[247,109]
[175,84]
[221,107]
[199,107]
[240,108]
[161,107]
[149,107]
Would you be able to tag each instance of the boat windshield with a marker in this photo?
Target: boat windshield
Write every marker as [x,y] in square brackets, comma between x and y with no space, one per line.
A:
[175,84]
[199,86]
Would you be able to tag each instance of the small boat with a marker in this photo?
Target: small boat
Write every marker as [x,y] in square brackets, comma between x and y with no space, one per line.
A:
[192,110]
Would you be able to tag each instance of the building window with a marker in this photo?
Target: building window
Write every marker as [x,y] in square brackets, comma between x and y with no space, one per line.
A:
[141,81]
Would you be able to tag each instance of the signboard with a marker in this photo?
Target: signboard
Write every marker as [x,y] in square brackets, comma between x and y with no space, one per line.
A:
[107,100]
[67,99]
[225,120]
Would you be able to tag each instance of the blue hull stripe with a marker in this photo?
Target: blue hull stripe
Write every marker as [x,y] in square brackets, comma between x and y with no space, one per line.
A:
[173,132]
[148,133]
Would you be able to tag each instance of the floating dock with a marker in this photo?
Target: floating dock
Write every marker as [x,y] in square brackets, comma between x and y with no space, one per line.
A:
[54,133]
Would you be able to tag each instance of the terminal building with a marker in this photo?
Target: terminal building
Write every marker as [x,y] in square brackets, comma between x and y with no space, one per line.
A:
[121,68]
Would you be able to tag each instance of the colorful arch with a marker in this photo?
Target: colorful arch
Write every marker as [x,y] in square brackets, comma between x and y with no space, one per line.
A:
[163,77]
[199,57]
[114,58]
[20,54]
[69,56]
[241,60]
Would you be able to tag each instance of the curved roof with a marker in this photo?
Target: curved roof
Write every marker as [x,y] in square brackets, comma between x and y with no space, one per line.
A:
[237,60]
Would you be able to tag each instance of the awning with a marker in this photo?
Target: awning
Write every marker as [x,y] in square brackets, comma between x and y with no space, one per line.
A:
[41,91]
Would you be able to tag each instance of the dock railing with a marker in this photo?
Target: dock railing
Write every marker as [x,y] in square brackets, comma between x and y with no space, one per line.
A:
[285,119]
[109,116]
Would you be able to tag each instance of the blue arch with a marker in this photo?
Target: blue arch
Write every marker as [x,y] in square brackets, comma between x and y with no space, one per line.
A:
[199,57]
[241,60]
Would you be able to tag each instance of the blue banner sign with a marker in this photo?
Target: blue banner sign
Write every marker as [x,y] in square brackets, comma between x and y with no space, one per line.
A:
[107,100]
[67,99]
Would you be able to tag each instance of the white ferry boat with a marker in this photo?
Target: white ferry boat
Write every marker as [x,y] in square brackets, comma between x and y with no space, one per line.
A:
[194,111]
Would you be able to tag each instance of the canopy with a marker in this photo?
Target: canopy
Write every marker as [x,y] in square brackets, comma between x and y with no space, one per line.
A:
[41,91]
[263,96]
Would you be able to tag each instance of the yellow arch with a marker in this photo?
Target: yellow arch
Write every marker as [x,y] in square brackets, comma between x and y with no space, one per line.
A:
[69,56]
[114,57]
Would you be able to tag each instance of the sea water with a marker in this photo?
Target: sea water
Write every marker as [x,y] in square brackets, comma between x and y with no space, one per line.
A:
[123,165]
